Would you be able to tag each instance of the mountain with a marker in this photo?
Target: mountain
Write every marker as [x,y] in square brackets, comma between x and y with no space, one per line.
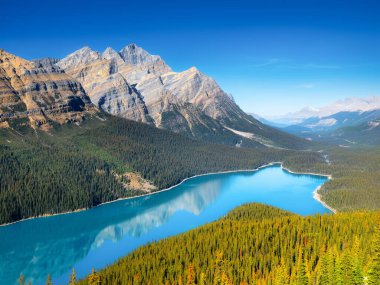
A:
[131,84]
[352,104]
[268,122]
[39,92]
[136,85]
[104,158]
[346,122]
[343,127]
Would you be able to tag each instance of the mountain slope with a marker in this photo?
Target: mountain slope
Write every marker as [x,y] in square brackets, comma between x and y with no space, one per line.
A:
[258,244]
[346,128]
[352,104]
[136,85]
[76,166]
[40,92]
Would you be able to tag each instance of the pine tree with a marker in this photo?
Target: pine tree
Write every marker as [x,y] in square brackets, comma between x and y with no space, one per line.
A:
[281,276]
[302,277]
[356,263]
[324,273]
[338,273]
[93,278]
[21,279]
[190,275]
[73,278]
[374,271]
[180,280]
[48,280]
[202,279]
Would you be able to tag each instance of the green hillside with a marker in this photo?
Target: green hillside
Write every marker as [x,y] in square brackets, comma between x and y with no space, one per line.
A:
[73,167]
[258,244]
[355,183]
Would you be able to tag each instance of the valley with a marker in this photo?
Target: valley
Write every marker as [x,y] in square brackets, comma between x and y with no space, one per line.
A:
[190,142]
[123,127]
[100,236]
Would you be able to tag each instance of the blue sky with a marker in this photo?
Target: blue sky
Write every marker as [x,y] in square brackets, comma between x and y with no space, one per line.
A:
[273,56]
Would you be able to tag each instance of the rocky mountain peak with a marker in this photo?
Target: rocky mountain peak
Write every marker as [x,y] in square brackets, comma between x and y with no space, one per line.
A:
[110,53]
[136,55]
[193,69]
[137,85]
[84,55]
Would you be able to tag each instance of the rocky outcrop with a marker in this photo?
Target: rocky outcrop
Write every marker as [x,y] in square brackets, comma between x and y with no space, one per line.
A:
[136,85]
[40,91]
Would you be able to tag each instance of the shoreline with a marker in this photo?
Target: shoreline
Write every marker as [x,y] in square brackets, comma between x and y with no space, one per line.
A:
[316,196]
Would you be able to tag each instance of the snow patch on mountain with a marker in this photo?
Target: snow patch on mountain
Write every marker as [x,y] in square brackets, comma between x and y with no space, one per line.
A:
[352,104]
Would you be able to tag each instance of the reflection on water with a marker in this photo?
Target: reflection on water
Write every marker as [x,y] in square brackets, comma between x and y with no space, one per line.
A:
[99,236]
[154,215]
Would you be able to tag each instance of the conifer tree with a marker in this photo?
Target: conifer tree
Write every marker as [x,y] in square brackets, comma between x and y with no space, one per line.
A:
[302,276]
[338,272]
[324,273]
[73,278]
[281,276]
[374,271]
[93,278]
[48,280]
[190,275]
[202,279]
[21,279]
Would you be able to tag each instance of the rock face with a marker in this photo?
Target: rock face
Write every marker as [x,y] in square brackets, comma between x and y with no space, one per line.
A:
[40,91]
[132,84]
[136,85]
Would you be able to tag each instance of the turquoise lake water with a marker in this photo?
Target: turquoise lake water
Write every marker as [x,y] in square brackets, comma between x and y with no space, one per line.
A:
[97,237]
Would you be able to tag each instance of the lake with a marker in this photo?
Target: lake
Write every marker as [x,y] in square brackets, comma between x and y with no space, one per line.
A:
[97,237]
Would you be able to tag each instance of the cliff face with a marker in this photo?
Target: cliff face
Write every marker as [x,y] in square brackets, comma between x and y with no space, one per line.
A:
[40,91]
[136,85]
[132,84]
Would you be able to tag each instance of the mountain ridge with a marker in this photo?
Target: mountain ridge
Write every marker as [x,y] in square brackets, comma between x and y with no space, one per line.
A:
[136,85]
[40,92]
[131,84]
[349,104]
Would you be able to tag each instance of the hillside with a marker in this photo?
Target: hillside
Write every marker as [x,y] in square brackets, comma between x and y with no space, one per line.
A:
[355,183]
[39,93]
[345,128]
[76,166]
[258,244]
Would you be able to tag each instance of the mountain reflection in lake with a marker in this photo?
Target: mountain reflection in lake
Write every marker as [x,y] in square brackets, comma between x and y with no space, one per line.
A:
[97,237]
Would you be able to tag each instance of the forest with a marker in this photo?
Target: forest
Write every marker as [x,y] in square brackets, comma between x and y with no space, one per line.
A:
[355,183]
[74,167]
[260,245]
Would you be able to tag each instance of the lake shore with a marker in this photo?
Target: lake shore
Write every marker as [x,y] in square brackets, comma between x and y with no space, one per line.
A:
[316,195]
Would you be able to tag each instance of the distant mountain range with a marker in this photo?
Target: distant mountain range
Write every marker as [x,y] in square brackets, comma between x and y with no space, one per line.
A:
[345,122]
[131,84]
[352,104]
